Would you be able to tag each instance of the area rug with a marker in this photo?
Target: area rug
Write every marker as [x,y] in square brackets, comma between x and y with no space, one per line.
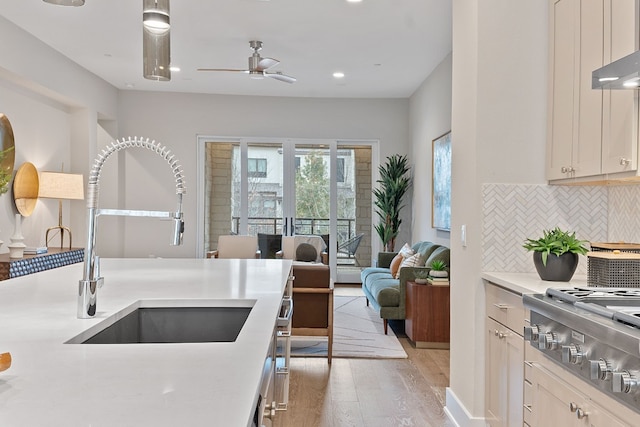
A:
[357,332]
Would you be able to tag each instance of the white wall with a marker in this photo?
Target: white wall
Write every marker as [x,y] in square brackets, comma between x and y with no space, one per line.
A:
[498,132]
[53,105]
[176,119]
[430,117]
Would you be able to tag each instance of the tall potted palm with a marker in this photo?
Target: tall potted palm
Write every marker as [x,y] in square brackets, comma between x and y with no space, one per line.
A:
[393,184]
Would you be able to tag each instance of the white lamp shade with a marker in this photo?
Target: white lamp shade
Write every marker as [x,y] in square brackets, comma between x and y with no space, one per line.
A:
[58,185]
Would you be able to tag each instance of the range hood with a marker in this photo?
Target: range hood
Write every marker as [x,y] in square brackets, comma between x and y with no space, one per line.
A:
[621,74]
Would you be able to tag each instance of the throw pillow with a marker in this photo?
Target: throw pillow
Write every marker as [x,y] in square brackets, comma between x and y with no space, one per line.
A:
[414,260]
[395,264]
[406,251]
[306,252]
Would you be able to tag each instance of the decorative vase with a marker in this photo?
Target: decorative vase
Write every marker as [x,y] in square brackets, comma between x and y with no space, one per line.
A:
[558,268]
[16,247]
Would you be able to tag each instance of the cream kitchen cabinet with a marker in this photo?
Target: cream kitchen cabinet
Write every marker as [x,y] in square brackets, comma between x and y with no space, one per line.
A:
[504,355]
[589,132]
[557,403]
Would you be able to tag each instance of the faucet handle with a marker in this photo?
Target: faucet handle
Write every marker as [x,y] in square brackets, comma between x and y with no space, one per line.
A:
[96,272]
[178,229]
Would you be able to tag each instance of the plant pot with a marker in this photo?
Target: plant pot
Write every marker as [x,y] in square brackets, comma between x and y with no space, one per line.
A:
[438,273]
[420,281]
[558,268]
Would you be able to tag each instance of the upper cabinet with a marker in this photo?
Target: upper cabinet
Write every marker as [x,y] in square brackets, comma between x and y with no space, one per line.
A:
[590,132]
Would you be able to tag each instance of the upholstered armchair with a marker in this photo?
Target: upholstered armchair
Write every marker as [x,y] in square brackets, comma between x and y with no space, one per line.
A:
[235,246]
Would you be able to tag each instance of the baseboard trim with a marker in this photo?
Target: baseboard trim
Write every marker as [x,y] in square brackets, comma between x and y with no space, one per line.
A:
[458,414]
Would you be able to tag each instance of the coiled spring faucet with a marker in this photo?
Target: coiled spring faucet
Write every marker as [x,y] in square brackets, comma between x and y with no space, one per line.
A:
[91,280]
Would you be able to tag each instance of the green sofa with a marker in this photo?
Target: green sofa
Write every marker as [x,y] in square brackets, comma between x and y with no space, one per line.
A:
[388,295]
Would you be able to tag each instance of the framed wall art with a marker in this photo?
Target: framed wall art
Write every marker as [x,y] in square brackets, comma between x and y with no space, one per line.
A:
[441,190]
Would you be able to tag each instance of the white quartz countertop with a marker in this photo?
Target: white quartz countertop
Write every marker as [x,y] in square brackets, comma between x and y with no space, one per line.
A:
[529,283]
[51,383]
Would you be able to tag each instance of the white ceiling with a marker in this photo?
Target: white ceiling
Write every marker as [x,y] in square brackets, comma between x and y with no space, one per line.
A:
[386,48]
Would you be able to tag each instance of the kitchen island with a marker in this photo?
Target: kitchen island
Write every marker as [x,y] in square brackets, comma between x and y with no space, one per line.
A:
[51,383]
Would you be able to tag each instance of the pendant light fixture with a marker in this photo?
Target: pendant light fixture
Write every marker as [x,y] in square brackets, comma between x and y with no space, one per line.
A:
[156,46]
[66,2]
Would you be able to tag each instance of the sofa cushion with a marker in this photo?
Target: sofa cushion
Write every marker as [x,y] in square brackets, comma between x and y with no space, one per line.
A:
[406,251]
[416,260]
[425,248]
[395,264]
[306,252]
[375,276]
[385,291]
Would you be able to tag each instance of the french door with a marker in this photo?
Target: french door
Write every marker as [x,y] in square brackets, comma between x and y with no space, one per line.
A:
[289,187]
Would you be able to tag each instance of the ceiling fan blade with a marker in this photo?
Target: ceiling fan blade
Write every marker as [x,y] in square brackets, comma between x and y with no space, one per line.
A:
[281,77]
[223,69]
[265,63]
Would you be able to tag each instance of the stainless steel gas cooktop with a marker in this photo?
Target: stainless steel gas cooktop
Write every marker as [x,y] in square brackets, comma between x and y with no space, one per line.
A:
[592,332]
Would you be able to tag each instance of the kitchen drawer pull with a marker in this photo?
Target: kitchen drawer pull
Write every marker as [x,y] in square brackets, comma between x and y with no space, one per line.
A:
[287,305]
[529,364]
[501,306]
[528,408]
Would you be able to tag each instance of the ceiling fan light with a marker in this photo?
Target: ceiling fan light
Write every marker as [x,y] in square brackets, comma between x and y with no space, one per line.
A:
[66,2]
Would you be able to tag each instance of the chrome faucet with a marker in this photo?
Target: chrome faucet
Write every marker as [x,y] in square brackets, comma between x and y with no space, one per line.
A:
[91,280]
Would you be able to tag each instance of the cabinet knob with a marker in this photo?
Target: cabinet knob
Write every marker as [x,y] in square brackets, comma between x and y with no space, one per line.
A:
[581,413]
[624,162]
[567,169]
[573,407]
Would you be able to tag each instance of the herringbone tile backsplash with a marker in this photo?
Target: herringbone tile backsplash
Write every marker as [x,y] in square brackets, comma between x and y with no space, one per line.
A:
[624,213]
[512,213]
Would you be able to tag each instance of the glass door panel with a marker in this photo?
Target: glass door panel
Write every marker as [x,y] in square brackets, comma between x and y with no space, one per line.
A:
[312,199]
[264,188]
[310,188]
[353,205]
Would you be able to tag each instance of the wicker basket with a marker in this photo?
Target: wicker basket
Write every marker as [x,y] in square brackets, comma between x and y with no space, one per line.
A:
[613,269]
[618,246]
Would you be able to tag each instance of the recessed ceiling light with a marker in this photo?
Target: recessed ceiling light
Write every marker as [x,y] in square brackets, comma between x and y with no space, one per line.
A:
[129,85]
[354,1]
[338,74]
[176,69]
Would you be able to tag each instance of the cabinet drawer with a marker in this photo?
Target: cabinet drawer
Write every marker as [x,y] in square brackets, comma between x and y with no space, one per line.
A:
[528,399]
[505,307]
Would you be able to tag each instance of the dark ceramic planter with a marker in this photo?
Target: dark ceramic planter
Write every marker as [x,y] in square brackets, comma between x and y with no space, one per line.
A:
[558,268]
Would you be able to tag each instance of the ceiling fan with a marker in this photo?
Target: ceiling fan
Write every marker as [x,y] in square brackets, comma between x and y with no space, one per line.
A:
[258,66]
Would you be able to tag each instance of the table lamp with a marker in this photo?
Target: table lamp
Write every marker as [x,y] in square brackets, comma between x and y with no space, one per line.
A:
[61,186]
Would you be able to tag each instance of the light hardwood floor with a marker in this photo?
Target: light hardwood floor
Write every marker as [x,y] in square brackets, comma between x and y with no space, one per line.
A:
[369,392]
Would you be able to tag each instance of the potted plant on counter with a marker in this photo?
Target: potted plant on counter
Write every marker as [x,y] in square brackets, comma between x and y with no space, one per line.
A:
[438,268]
[555,254]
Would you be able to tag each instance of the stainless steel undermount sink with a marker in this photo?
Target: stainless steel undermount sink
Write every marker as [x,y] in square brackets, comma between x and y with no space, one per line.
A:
[171,322]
